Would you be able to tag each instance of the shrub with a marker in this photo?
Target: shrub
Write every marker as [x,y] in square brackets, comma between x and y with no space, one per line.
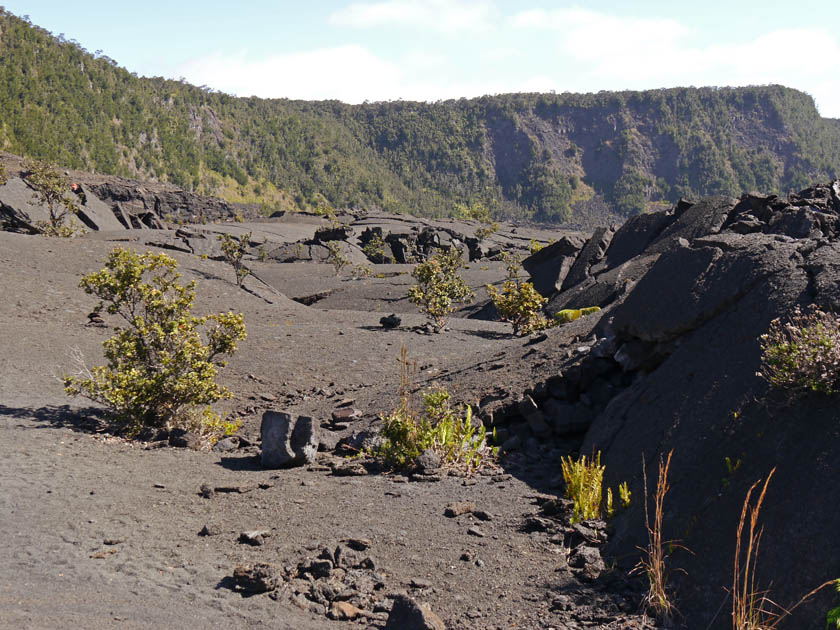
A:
[832,619]
[335,256]
[483,231]
[52,190]
[160,368]
[804,353]
[374,249]
[584,486]
[3,178]
[518,302]
[584,481]
[439,287]
[571,314]
[233,249]
[438,427]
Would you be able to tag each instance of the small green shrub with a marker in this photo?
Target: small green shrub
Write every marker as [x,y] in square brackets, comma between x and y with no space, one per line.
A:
[52,190]
[584,486]
[3,178]
[374,249]
[832,619]
[584,482]
[571,314]
[803,354]
[439,287]
[484,231]
[335,256]
[518,303]
[160,368]
[234,249]
[437,426]
[534,246]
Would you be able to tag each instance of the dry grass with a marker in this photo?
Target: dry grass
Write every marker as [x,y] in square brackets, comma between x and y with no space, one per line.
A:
[654,561]
[752,609]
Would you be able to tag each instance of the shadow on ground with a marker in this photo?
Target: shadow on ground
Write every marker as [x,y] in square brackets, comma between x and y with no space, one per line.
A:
[82,419]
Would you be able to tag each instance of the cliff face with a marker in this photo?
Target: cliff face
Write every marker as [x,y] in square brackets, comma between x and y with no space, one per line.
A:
[563,157]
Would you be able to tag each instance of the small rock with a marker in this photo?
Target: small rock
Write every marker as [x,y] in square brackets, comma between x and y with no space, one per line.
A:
[586,556]
[428,461]
[457,508]
[407,614]
[209,530]
[205,492]
[258,578]
[288,440]
[475,531]
[466,556]
[344,611]
[346,414]
[479,563]
[421,584]
[390,321]
[254,538]
[316,568]
[357,544]
[268,397]
[181,438]
[225,445]
[482,515]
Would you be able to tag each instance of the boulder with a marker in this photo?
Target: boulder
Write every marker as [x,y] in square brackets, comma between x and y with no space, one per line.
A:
[288,440]
[407,614]
[550,266]
[591,253]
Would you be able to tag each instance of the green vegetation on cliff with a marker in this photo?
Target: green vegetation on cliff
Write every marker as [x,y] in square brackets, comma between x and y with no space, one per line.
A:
[526,155]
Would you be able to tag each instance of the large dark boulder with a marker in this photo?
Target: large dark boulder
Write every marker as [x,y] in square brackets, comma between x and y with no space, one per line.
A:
[549,266]
[700,311]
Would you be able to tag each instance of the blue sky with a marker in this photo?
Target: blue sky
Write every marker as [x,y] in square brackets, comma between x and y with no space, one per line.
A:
[437,49]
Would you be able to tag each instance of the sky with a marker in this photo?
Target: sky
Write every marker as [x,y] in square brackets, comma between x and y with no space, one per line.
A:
[382,50]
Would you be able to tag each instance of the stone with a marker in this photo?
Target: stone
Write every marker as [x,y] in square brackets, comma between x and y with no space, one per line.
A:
[257,578]
[586,556]
[407,614]
[429,461]
[287,440]
[255,538]
[390,321]
[344,611]
[318,569]
[527,406]
[181,438]
[333,233]
[457,508]
[226,445]
[475,531]
[346,414]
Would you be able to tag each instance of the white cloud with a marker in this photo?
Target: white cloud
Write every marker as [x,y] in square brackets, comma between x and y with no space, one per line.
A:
[349,73]
[614,52]
[445,16]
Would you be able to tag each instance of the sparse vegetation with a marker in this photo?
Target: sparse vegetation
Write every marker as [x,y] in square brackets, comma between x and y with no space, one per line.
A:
[335,256]
[803,354]
[832,619]
[160,368]
[752,608]
[374,249]
[584,483]
[52,190]
[3,178]
[571,314]
[518,303]
[654,561]
[439,287]
[407,433]
[234,249]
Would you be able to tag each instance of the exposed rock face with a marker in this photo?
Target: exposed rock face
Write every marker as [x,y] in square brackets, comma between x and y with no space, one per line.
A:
[687,294]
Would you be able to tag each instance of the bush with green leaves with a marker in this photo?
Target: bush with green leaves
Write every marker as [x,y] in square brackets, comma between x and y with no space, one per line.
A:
[803,354]
[439,287]
[52,190]
[234,249]
[335,256]
[832,620]
[161,368]
[518,302]
[3,178]
[374,249]
[584,486]
[455,438]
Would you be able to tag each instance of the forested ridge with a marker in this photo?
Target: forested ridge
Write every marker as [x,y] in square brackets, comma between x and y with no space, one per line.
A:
[542,156]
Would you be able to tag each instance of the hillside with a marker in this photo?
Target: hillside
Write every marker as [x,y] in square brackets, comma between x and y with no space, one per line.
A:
[557,157]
